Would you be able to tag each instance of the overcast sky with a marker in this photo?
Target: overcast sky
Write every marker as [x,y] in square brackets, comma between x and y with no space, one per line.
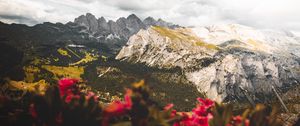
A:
[279,14]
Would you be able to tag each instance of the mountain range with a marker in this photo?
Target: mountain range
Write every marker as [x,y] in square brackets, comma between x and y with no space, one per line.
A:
[85,29]
[223,61]
[228,62]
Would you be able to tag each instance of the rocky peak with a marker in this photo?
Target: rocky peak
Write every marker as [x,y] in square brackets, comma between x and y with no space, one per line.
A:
[89,21]
[119,30]
[81,20]
[226,71]
[103,26]
[132,17]
[149,21]
[102,20]
[93,24]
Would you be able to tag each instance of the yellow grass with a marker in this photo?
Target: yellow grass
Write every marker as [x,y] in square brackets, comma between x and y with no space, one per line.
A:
[37,87]
[63,52]
[30,71]
[60,71]
[184,36]
[87,58]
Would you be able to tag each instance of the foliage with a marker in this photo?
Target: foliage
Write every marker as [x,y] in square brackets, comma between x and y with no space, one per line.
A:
[66,104]
[181,35]
[89,57]
[63,52]
[30,71]
[65,71]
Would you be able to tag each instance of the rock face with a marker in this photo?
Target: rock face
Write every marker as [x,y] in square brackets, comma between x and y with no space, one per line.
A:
[123,27]
[227,63]
[116,33]
[85,29]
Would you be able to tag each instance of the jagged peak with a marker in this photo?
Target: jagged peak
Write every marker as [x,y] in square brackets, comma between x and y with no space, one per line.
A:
[133,16]
[160,20]
[149,19]
[121,19]
[102,19]
[110,21]
[89,14]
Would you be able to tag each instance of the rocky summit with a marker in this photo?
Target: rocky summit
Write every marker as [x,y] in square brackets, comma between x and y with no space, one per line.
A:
[225,62]
[120,29]
[85,29]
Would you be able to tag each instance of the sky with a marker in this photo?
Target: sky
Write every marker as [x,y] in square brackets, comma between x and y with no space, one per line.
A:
[263,14]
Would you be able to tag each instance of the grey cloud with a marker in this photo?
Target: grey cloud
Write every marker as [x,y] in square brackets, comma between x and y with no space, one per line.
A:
[255,13]
[19,19]
[86,1]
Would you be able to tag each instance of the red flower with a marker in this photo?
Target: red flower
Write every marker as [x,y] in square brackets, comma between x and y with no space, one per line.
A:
[91,94]
[237,119]
[206,102]
[65,85]
[127,98]
[247,122]
[118,108]
[69,97]
[32,111]
[194,121]
[168,107]
[200,110]
[200,116]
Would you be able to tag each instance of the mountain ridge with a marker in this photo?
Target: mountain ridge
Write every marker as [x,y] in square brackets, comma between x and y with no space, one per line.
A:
[84,29]
[220,63]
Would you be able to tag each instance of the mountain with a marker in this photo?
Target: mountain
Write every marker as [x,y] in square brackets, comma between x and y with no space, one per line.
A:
[223,62]
[226,62]
[85,49]
[84,30]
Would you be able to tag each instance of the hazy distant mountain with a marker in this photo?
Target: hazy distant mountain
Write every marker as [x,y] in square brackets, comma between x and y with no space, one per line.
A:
[85,29]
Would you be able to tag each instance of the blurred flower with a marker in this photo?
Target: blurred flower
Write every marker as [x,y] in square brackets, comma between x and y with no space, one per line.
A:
[127,98]
[206,102]
[33,111]
[168,107]
[115,108]
[65,85]
[237,119]
[200,110]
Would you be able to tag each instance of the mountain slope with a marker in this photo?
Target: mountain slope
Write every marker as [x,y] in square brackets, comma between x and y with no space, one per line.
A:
[221,62]
[84,30]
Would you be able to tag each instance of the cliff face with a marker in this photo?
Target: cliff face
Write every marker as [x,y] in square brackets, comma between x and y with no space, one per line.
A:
[83,30]
[224,62]
[122,27]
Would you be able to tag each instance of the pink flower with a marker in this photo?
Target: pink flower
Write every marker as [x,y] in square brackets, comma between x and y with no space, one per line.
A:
[65,85]
[237,119]
[91,94]
[195,121]
[200,110]
[69,97]
[202,121]
[127,98]
[168,107]
[200,115]
[116,108]
[206,102]
[33,111]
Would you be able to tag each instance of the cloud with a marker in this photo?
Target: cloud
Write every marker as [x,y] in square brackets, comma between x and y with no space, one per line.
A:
[279,14]
[19,19]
